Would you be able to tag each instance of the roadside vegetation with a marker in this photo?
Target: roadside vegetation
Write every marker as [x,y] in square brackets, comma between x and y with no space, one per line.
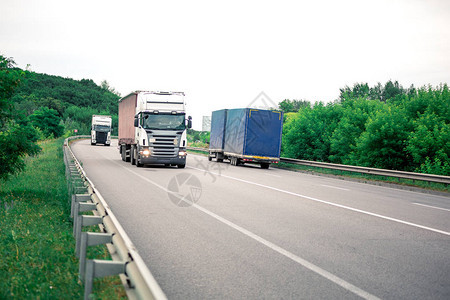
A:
[37,248]
[199,139]
[386,127]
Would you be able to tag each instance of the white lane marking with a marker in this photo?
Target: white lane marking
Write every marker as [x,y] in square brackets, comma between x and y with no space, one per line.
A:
[346,285]
[333,278]
[334,187]
[435,207]
[331,203]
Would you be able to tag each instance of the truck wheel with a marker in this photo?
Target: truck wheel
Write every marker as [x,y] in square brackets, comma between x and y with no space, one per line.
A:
[265,165]
[122,152]
[138,163]
[127,159]
[93,144]
[181,166]
[220,160]
[107,145]
[132,155]
[209,158]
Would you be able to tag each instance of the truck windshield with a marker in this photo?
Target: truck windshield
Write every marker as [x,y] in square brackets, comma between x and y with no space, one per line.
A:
[102,128]
[164,122]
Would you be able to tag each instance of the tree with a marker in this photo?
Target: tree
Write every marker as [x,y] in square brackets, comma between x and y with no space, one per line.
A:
[307,135]
[350,127]
[429,141]
[48,121]
[17,136]
[382,145]
[293,105]
[105,85]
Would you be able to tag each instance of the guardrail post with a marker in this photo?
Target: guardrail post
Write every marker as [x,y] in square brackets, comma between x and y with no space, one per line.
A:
[100,268]
[77,198]
[74,208]
[84,221]
[91,239]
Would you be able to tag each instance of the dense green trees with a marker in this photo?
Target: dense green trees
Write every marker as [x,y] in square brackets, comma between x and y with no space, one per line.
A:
[74,101]
[48,121]
[383,127]
[17,136]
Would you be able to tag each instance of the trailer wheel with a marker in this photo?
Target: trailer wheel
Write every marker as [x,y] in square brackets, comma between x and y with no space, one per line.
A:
[127,149]
[265,165]
[122,152]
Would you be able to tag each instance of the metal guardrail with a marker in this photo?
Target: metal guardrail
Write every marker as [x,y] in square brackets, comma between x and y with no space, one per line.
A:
[361,170]
[126,262]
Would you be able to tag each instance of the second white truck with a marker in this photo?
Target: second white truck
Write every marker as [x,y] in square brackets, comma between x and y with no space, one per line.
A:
[101,130]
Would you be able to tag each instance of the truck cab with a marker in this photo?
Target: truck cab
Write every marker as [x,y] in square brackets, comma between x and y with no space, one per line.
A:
[159,129]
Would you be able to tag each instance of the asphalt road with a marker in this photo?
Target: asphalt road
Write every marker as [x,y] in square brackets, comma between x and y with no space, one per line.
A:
[215,231]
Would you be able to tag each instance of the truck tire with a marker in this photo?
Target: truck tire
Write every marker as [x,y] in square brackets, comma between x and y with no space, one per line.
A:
[122,152]
[265,165]
[181,166]
[138,163]
[127,159]
[209,158]
[220,160]
[132,155]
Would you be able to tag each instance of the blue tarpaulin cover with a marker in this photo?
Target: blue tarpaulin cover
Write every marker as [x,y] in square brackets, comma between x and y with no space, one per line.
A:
[248,131]
[217,136]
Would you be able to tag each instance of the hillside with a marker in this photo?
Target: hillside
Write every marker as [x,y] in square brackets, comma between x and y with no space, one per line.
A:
[75,101]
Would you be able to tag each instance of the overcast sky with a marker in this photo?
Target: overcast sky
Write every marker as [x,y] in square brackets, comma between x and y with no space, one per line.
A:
[224,54]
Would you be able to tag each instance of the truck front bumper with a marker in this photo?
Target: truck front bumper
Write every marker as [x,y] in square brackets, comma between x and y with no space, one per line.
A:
[154,160]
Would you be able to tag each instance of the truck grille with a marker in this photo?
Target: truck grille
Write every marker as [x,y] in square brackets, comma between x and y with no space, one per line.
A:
[101,136]
[164,145]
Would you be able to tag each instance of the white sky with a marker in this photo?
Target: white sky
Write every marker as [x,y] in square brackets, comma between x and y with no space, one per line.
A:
[224,54]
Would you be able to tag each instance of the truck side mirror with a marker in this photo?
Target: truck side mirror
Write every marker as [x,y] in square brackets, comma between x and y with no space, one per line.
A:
[136,122]
[189,125]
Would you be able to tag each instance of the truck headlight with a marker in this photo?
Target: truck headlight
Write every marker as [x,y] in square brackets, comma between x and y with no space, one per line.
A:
[146,152]
[182,153]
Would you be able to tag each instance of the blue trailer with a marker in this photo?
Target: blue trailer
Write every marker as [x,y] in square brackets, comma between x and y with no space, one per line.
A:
[246,135]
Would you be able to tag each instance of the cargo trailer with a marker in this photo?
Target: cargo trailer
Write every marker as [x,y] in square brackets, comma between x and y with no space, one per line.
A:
[246,135]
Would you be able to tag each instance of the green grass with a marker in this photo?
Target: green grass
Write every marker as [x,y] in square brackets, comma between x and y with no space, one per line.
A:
[37,248]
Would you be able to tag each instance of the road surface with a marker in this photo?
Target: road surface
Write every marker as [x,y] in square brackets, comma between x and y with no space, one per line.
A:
[215,231]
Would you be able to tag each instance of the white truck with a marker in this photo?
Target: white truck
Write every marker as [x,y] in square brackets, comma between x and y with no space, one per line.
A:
[152,128]
[101,130]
